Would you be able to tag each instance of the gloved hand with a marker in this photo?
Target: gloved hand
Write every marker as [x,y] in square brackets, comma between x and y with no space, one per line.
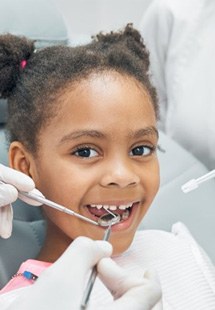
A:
[61,286]
[8,194]
[129,291]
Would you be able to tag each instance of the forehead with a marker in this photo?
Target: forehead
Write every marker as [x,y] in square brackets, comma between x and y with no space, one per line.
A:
[108,91]
[104,102]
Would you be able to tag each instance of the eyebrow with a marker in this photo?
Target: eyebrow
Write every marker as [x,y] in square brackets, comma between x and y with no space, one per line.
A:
[147,131]
[82,133]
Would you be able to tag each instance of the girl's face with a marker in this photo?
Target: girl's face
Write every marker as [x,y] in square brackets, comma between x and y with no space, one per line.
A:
[99,152]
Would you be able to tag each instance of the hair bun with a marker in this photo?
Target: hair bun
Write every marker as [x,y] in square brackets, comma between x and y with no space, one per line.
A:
[13,51]
[130,38]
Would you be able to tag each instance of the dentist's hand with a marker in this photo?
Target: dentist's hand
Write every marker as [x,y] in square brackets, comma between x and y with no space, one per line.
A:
[8,193]
[128,290]
[62,285]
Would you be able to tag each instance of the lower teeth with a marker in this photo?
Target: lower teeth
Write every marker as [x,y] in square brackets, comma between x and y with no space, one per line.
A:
[125,215]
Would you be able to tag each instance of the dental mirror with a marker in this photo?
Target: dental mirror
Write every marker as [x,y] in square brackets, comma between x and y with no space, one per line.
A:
[108,218]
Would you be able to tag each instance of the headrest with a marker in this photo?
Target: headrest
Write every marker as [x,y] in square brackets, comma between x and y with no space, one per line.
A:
[39,20]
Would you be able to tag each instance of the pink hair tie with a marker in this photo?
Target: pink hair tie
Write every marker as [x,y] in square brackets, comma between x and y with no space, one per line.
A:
[23,63]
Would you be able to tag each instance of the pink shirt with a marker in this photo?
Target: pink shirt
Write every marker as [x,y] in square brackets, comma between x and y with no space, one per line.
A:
[31,265]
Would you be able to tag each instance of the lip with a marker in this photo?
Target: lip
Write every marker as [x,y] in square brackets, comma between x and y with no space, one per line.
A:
[121,225]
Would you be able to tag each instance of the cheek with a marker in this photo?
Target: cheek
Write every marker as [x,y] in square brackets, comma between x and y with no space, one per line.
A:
[151,183]
[57,183]
[152,179]
[155,184]
[65,227]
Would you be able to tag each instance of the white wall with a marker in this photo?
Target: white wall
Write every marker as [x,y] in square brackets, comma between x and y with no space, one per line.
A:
[87,17]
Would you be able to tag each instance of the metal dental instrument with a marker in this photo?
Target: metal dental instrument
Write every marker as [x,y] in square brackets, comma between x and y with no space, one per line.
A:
[115,218]
[194,183]
[107,219]
[54,205]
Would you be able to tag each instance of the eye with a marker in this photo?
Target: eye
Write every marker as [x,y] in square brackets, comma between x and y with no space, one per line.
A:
[85,152]
[142,150]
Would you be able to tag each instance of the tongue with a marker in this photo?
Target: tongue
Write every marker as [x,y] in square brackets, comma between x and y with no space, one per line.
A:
[102,211]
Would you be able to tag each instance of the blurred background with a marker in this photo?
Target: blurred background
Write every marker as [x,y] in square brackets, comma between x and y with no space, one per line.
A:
[87,17]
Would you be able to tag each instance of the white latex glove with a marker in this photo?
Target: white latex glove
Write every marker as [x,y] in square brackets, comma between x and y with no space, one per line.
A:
[129,291]
[62,285]
[8,194]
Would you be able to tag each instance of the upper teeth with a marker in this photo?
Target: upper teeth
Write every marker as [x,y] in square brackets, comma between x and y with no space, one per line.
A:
[112,207]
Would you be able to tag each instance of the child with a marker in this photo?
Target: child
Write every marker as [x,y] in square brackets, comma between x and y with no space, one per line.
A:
[82,125]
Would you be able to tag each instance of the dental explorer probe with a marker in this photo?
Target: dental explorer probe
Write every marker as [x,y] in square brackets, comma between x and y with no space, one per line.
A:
[53,204]
[110,221]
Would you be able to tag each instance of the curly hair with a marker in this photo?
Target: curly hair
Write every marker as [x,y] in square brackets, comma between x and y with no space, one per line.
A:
[33,91]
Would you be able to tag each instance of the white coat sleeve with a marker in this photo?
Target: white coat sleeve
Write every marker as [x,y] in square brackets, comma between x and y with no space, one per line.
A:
[155,27]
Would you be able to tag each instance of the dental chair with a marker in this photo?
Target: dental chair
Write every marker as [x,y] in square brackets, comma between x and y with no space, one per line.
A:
[40,20]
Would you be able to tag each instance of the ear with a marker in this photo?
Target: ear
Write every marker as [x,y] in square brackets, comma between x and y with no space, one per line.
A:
[21,159]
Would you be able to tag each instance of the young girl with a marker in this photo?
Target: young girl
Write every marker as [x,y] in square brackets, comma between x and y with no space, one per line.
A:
[82,125]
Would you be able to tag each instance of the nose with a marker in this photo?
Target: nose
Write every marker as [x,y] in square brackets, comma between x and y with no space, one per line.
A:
[120,174]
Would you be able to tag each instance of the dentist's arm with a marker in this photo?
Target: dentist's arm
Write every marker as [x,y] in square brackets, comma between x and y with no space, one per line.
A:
[14,181]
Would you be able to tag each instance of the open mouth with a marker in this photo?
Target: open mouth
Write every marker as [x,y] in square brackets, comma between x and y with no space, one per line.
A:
[99,210]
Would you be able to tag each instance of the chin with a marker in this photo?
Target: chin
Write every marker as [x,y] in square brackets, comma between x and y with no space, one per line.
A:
[120,244]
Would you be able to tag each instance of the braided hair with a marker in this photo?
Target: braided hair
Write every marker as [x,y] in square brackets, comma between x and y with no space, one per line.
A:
[33,81]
